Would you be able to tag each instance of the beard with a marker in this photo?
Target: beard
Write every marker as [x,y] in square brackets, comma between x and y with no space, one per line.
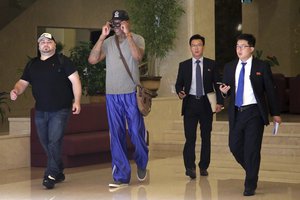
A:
[46,50]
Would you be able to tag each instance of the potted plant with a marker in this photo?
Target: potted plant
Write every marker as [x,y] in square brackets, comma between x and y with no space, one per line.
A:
[271,60]
[157,22]
[92,76]
[3,105]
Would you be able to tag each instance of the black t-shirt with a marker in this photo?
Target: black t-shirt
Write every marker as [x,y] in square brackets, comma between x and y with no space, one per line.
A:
[51,88]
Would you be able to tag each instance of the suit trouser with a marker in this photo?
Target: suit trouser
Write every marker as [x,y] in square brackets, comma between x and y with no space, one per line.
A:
[245,139]
[197,111]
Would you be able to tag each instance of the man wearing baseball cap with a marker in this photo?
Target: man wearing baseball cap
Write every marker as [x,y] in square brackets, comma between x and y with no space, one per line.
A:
[121,100]
[46,36]
[56,89]
[120,15]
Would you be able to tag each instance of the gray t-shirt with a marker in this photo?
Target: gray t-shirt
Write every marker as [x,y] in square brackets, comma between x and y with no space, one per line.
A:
[118,80]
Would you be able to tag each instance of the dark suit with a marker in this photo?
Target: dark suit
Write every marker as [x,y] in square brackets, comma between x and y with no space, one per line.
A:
[197,110]
[247,126]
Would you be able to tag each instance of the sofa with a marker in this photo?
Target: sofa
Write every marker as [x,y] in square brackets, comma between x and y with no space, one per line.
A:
[282,88]
[86,139]
[288,92]
[294,95]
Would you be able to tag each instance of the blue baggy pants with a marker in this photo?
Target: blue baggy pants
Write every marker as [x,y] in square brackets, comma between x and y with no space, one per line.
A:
[122,108]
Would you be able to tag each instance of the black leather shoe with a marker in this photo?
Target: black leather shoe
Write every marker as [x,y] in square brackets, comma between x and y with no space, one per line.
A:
[191,173]
[49,182]
[60,178]
[249,192]
[203,172]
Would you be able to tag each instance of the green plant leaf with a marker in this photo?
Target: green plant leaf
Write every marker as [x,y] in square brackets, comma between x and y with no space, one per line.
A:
[157,22]
[271,60]
[92,76]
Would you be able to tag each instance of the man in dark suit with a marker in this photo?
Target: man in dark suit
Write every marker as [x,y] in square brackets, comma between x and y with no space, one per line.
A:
[248,80]
[196,78]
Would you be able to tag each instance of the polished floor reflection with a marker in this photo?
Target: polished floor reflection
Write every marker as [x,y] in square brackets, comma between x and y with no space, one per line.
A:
[279,179]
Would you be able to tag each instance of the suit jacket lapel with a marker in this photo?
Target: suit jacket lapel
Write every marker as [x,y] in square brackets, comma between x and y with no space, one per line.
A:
[253,68]
[189,71]
[233,74]
[204,71]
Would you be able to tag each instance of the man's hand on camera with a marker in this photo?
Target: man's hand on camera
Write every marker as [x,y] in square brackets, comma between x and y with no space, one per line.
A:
[125,27]
[105,30]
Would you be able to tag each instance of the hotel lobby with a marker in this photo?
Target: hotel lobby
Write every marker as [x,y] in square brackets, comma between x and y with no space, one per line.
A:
[276,27]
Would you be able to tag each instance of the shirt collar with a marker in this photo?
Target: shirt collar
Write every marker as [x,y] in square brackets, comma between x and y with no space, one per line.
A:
[194,60]
[247,61]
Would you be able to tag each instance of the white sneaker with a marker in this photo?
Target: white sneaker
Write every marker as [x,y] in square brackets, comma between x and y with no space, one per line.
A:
[117,184]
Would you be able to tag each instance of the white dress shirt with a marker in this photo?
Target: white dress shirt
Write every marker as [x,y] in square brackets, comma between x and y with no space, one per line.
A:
[193,85]
[248,96]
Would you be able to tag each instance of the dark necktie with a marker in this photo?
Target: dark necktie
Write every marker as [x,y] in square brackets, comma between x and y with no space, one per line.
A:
[199,86]
[240,89]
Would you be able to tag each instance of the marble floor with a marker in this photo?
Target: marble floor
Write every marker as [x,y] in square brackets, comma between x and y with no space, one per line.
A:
[279,180]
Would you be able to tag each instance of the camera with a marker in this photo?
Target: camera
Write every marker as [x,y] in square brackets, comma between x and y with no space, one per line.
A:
[113,24]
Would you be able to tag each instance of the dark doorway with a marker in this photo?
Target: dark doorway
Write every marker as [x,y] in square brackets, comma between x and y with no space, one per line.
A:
[228,21]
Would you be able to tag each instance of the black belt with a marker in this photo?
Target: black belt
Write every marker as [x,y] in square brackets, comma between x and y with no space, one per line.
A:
[195,97]
[243,108]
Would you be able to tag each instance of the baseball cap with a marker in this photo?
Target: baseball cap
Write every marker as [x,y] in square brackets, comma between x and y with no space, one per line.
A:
[120,15]
[46,35]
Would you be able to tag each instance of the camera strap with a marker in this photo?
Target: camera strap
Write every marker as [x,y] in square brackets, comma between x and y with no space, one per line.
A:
[123,59]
